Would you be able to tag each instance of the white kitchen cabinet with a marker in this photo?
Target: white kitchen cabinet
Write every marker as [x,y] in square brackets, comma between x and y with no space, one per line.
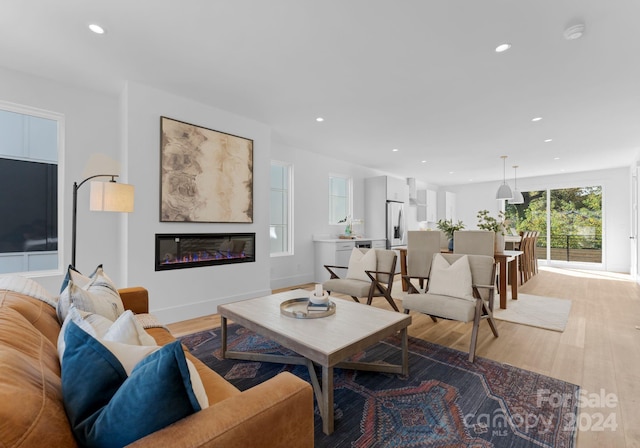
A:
[432,206]
[427,206]
[333,253]
[397,189]
[337,252]
[450,206]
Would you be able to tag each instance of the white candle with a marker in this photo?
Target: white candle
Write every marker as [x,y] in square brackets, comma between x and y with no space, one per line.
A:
[318,292]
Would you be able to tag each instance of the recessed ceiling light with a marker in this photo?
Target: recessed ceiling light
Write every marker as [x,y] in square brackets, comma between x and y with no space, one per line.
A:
[395,150]
[556,158]
[319,119]
[96,28]
[451,172]
[536,119]
[502,47]
[548,140]
[574,32]
[424,161]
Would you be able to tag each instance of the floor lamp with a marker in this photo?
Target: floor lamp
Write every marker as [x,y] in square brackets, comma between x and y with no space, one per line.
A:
[105,197]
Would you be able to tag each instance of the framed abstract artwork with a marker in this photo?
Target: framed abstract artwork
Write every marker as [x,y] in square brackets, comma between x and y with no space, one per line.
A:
[205,175]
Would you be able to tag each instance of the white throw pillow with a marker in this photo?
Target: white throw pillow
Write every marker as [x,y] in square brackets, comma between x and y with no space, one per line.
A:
[360,262]
[78,317]
[127,329]
[451,280]
[100,296]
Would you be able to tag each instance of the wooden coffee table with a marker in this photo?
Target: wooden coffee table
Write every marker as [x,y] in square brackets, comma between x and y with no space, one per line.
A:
[326,341]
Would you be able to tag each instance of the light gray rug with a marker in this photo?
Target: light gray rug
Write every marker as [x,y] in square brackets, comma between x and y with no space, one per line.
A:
[536,311]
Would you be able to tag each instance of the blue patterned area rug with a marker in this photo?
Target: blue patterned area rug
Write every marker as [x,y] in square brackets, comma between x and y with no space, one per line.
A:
[445,401]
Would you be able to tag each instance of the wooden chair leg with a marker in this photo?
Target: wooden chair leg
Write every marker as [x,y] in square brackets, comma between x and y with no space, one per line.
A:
[474,333]
[492,323]
[391,301]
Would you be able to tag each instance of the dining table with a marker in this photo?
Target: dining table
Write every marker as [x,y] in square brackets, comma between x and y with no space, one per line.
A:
[507,262]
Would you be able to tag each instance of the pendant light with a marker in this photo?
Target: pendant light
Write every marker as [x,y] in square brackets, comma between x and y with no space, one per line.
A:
[517,196]
[504,192]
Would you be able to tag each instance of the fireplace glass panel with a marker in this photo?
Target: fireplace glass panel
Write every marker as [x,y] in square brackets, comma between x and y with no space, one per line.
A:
[179,251]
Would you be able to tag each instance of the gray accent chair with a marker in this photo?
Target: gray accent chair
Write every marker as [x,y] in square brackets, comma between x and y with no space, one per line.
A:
[421,246]
[474,242]
[483,271]
[380,284]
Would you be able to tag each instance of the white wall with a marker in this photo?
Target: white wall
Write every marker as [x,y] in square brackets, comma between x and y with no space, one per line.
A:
[91,127]
[615,202]
[311,209]
[186,293]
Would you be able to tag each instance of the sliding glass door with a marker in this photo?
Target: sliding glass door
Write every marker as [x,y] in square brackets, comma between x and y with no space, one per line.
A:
[569,222]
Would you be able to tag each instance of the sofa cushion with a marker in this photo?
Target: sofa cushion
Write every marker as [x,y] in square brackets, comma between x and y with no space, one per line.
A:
[99,296]
[38,313]
[31,409]
[107,408]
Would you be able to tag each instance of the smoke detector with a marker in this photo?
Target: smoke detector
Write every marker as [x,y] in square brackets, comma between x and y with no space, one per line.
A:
[574,32]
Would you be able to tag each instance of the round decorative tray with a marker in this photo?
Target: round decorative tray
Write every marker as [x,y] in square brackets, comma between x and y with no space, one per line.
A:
[299,308]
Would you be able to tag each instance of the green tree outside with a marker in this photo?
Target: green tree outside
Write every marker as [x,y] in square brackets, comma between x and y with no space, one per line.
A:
[576,219]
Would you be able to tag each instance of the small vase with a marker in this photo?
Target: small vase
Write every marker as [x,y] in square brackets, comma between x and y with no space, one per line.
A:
[451,244]
[499,243]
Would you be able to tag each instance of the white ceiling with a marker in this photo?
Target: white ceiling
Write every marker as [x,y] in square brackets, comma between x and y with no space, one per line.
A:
[421,76]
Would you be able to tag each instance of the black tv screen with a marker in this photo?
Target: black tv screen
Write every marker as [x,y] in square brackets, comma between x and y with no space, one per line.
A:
[29,206]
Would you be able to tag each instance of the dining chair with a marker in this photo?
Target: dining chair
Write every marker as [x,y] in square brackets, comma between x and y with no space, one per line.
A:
[529,259]
[474,242]
[421,246]
[358,282]
[460,288]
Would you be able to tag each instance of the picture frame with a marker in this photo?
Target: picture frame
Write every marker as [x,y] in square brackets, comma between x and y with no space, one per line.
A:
[205,175]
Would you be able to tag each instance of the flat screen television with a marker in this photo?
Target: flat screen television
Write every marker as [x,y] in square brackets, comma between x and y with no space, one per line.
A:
[29,206]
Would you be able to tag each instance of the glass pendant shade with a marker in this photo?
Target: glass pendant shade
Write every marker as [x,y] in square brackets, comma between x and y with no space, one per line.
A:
[504,192]
[517,197]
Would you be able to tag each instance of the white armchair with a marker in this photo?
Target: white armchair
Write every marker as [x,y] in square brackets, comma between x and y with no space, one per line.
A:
[460,288]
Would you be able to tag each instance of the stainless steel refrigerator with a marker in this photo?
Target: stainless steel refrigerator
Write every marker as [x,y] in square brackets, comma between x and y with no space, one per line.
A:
[396,225]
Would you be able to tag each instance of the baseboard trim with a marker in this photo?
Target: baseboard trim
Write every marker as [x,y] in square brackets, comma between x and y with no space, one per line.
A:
[179,313]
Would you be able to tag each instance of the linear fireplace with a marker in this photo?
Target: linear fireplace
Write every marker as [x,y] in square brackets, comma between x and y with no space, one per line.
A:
[189,250]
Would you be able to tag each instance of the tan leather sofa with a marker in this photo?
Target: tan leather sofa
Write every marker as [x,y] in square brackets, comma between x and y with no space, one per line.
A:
[276,413]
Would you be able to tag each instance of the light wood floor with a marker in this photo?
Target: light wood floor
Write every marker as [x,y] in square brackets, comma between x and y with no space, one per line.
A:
[599,350]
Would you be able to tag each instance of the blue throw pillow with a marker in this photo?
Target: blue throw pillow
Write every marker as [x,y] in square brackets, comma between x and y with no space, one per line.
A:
[108,409]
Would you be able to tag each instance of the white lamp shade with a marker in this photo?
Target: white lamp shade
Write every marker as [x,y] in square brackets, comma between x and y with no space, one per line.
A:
[504,192]
[111,197]
[517,197]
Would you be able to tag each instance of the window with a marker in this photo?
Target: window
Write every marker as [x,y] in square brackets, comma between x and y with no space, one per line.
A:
[30,141]
[569,221]
[339,199]
[280,224]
